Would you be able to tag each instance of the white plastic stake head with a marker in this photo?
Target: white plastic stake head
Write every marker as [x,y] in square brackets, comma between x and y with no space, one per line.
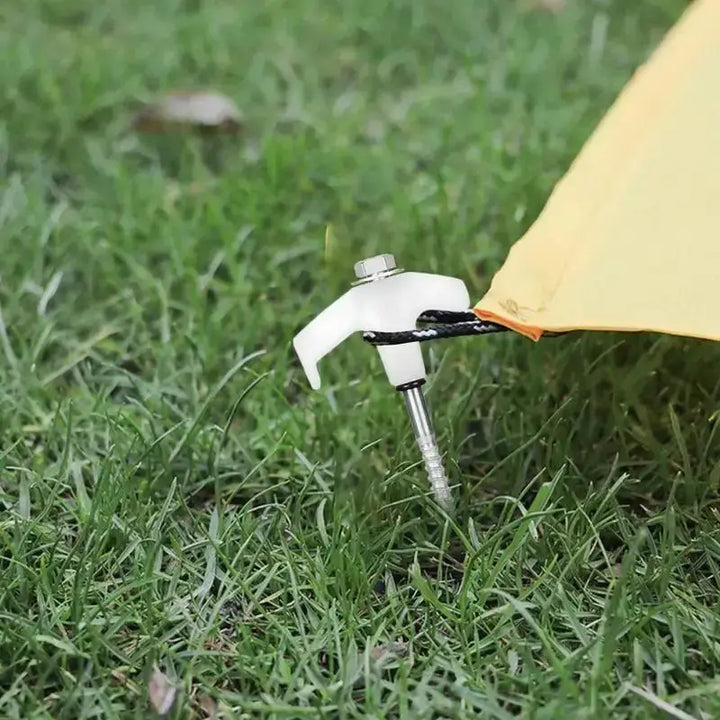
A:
[387,300]
[392,302]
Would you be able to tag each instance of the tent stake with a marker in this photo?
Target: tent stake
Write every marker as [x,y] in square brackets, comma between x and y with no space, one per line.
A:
[387,302]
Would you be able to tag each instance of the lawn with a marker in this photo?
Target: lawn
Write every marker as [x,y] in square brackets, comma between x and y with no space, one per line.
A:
[173,496]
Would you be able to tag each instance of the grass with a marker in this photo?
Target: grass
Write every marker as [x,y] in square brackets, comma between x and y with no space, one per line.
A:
[172,494]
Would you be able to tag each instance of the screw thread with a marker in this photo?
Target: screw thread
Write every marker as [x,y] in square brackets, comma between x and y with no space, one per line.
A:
[435,471]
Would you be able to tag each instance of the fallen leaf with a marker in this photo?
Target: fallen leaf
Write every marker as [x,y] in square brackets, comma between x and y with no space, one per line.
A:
[389,650]
[161,693]
[209,110]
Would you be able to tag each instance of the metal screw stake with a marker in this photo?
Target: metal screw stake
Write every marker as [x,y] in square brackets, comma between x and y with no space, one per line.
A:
[372,269]
[425,438]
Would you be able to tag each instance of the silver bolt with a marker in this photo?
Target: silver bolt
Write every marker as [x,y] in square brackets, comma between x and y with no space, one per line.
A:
[374,266]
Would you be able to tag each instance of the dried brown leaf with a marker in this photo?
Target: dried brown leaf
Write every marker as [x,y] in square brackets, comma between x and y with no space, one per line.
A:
[161,693]
[389,650]
[208,110]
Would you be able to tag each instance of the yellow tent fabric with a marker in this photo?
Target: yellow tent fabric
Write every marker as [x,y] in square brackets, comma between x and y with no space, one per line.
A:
[630,238]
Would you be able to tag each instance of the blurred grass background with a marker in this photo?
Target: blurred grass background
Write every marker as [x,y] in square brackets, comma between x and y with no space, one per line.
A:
[173,494]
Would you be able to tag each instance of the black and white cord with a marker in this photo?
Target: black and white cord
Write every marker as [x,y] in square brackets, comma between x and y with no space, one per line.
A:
[449,324]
